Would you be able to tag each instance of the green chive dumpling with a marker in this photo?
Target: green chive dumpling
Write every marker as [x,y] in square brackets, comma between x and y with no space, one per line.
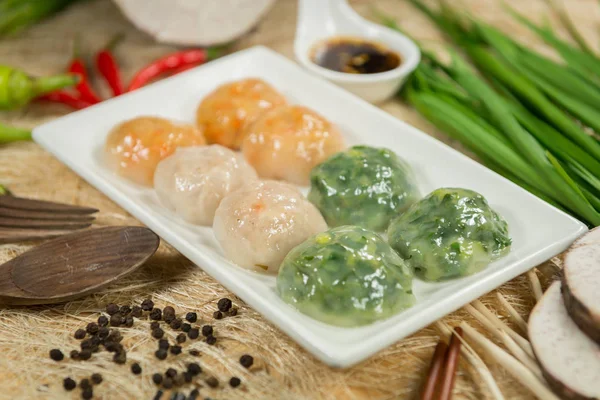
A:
[362,186]
[346,276]
[449,234]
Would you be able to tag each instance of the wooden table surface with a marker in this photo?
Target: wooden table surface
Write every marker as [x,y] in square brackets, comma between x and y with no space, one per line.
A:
[289,373]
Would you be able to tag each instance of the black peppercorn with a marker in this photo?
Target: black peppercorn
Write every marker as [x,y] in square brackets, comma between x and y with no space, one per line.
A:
[87,393]
[211,340]
[194,394]
[69,384]
[167,383]
[212,382]
[115,320]
[147,305]
[168,310]
[157,378]
[102,321]
[113,347]
[176,324]
[136,311]
[96,379]
[235,382]
[194,352]
[207,330]
[123,319]
[194,333]
[56,355]
[181,338]
[95,340]
[171,372]
[158,395]
[85,383]
[115,336]
[112,309]
[79,334]
[154,325]
[187,377]
[86,344]
[85,354]
[120,357]
[217,315]
[186,327]
[161,354]
[156,314]
[103,332]
[74,355]
[194,368]
[125,310]
[233,312]
[94,349]
[163,344]
[191,317]
[175,349]
[158,333]
[179,380]
[128,321]
[136,369]
[224,304]
[168,318]
[246,360]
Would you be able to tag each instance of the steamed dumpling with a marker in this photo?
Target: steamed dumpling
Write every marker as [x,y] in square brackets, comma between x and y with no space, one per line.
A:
[230,108]
[134,147]
[193,181]
[287,142]
[260,223]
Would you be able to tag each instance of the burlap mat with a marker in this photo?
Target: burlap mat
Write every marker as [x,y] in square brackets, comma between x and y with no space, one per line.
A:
[282,369]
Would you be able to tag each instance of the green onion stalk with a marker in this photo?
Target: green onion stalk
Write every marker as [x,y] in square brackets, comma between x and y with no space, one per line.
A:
[522,114]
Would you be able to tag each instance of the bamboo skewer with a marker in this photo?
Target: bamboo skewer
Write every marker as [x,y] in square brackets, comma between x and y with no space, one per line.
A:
[515,316]
[514,367]
[435,369]
[450,365]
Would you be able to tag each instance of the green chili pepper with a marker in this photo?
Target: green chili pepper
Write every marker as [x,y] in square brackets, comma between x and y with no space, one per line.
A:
[12,134]
[17,88]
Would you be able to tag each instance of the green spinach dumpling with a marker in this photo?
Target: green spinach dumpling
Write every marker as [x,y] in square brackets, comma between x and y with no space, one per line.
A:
[362,186]
[346,276]
[449,234]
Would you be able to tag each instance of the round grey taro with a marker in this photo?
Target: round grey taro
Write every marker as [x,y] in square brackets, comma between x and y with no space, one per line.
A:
[362,186]
[448,234]
[346,276]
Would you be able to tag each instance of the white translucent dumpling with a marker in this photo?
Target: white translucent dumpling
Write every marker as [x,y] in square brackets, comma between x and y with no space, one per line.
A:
[193,181]
[260,223]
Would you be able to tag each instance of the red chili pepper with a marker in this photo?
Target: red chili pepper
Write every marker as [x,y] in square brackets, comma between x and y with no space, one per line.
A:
[183,68]
[66,98]
[108,67]
[169,63]
[77,67]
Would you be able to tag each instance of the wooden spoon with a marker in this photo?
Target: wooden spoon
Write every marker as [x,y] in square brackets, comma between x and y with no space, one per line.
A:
[74,265]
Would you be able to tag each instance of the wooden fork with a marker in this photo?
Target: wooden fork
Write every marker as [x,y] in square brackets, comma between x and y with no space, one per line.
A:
[26,219]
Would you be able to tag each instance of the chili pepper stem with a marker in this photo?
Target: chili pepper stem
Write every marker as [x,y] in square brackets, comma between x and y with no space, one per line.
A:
[114,41]
[49,84]
[12,134]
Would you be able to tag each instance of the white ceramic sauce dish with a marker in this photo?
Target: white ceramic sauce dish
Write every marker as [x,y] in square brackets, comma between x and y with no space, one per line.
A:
[319,20]
[539,231]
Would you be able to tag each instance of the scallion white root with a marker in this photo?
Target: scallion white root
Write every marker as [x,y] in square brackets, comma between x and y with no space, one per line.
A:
[514,314]
[536,286]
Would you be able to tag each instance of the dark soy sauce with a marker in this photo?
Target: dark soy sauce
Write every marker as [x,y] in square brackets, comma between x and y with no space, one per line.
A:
[354,56]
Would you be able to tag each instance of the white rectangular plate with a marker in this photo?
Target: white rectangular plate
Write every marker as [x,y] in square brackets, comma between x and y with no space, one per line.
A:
[539,231]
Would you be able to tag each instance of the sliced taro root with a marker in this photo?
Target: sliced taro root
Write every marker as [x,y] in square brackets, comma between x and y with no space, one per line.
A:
[570,360]
[581,283]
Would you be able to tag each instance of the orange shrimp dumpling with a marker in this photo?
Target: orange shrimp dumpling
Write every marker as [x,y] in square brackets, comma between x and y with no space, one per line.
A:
[229,109]
[135,147]
[287,142]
